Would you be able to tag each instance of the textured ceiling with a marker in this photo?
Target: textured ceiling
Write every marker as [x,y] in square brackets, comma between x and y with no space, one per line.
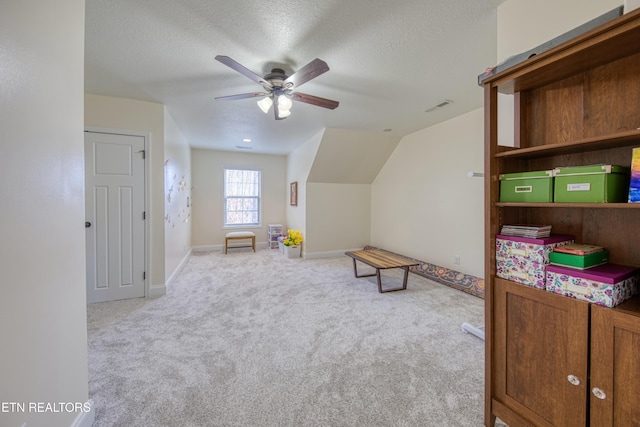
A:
[389,62]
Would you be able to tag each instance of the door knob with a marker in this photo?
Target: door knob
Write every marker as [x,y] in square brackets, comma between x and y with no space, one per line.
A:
[599,393]
[573,379]
[87,224]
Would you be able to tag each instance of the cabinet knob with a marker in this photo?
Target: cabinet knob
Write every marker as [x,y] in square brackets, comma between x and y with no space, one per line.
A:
[599,393]
[573,379]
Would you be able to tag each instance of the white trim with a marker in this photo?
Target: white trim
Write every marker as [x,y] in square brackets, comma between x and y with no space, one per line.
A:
[155,291]
[220,248]
[207,248]
[327,254]
[179,268]
[85,419]
[149,289]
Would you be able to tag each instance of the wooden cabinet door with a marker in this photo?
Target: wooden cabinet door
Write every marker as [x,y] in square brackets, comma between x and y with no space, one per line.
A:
[615,365]
[541,344]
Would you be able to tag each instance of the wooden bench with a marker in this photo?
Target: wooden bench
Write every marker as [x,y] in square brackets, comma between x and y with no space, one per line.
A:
[381,260]
[240,235]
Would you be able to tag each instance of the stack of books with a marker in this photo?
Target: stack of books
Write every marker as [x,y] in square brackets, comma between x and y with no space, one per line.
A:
[579,255]
[530,231]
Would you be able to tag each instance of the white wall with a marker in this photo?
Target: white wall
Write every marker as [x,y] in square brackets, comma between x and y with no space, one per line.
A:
[42,257]
[338,218]
[298,166]
[129,114]
[525,24]
[424,206]
[350,156]
[177,197]
[334,170]
[207,207]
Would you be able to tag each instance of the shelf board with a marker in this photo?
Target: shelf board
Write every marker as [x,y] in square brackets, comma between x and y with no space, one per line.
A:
[570,205]
[621,139]
[631,306]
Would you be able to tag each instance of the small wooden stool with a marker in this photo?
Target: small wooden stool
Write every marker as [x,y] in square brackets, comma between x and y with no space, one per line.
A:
[236,235]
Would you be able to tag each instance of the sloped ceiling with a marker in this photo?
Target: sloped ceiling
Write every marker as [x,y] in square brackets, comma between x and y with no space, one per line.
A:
[389,62]
[351,157]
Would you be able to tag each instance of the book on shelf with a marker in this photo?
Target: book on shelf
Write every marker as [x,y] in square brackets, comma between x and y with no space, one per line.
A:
[577,267]
[521,230]
[581,249]
[634,185]
[581,262]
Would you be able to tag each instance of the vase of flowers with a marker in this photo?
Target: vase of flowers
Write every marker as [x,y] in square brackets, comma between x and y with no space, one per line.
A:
[292,243]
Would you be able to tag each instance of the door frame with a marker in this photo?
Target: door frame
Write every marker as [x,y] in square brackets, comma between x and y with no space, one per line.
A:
[148,292]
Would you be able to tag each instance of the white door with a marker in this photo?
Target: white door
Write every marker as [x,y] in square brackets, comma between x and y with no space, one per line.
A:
[115,232]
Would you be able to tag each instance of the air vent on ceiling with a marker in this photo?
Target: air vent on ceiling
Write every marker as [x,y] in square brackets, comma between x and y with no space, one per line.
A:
[440,104]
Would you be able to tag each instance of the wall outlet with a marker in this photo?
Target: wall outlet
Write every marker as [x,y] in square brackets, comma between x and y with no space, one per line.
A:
[456,259]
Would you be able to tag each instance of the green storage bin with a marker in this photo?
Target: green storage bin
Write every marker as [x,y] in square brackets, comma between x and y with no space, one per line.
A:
[579,261]
[525,187]
[591,184]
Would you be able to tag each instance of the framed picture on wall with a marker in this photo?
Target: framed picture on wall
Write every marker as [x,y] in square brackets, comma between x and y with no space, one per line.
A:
[294,194]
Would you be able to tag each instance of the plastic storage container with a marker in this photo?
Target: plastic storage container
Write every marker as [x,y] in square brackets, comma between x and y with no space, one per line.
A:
[523,259]
[521,187]
[591,184]
[607,284]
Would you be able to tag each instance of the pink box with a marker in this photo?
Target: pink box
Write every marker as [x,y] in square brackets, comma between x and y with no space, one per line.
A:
[607,284]
[522,259]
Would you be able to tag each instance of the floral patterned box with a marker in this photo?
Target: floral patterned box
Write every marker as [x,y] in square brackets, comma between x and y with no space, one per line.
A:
[523,259]
[607,284]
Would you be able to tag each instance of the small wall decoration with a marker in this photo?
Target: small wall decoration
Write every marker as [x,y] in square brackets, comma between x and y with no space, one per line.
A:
[177,196]
[294,194]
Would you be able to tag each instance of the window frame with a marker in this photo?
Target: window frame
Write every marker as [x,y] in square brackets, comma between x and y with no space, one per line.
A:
[225,197]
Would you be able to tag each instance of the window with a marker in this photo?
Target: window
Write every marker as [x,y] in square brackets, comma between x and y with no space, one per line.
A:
[241,197]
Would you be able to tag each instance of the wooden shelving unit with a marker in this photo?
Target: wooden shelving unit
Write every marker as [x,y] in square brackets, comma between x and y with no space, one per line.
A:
[550,359]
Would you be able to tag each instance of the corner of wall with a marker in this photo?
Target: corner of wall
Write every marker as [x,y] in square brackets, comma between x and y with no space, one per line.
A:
[299,164]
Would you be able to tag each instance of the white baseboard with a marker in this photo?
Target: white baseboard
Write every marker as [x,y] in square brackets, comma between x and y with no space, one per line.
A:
[207,248]
[220,248]
[328,254]
[157,291]
[85,419]
[264,245]
[178,268]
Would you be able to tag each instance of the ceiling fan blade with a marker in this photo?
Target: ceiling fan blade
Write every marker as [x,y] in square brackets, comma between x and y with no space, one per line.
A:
[315,100]
[242,70]
[310,71]
[240,96]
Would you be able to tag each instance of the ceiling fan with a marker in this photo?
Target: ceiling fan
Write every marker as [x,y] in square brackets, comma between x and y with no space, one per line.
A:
[280,89]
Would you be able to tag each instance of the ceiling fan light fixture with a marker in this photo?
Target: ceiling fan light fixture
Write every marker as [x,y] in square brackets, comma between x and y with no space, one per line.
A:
[284,103]
[283,114]
[265,104]
[279,89]
[282,106]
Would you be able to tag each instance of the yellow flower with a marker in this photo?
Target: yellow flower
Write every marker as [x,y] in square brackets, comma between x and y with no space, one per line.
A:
[294,238]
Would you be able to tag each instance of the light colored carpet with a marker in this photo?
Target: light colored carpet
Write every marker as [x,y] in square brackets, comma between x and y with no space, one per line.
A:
[256,339]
